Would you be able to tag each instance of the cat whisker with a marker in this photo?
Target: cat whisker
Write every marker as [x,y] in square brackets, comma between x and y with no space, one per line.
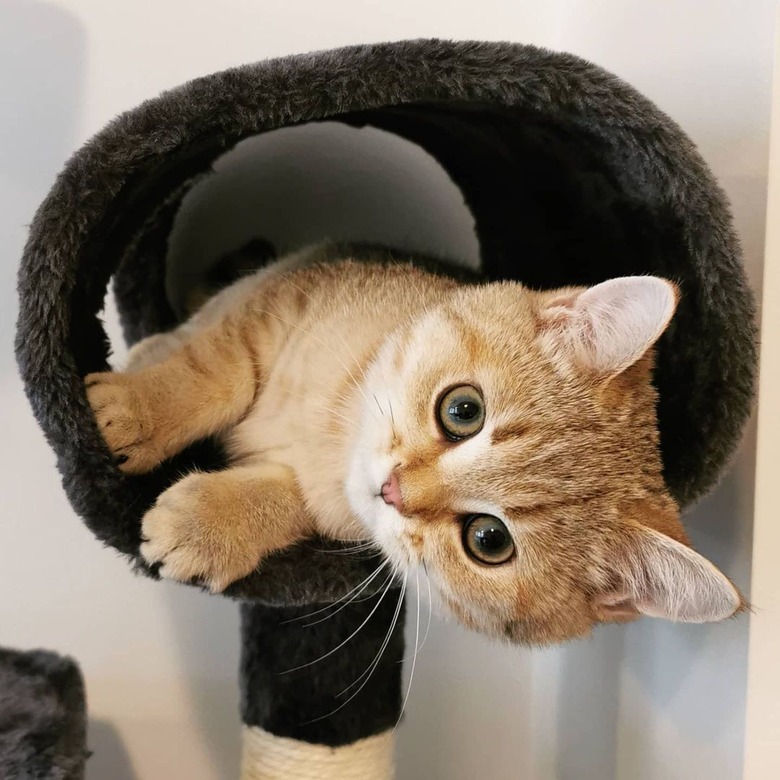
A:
[349,638]
[414,657]
[359,588]
[370,551]
[371,668]
[356,540]
[350,545]
[347,603]
[430,605]
[389,402]
[347,551]
[374,663]
[376,659]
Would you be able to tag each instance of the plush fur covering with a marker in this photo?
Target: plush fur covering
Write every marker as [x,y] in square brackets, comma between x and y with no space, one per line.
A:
[42,717]
[572,178]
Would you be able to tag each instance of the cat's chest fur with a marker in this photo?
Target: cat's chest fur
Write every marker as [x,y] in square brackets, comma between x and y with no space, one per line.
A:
[304,419]
[308,412]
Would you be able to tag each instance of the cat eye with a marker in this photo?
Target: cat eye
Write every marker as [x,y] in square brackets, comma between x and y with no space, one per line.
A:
[487,539]
[461,412]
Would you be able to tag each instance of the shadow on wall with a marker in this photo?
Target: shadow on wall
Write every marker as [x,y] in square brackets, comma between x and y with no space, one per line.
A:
[207,635]
[588,707]
[42,53]
[42,61]
[109,756]
[296,186]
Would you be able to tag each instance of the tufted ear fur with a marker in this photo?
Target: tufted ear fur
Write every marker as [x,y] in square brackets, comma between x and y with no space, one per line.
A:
[608,327]
[652,574]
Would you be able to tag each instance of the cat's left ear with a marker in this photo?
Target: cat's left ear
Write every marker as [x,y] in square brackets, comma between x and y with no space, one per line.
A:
[607,328]
[652,574]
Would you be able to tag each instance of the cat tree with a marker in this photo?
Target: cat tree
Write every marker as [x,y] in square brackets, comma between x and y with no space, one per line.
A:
[572,177]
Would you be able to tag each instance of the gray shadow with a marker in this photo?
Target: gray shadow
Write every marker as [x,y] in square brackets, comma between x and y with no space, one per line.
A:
[714,527]
[586,735]
[42,69]
[369,185]
[208,638]
[109,756]
[41,94]
[470,709]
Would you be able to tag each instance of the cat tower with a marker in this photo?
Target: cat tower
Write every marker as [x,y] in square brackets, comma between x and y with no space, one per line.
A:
[572,177]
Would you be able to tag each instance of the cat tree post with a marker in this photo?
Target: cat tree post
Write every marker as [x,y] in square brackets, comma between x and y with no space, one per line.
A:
[285,735]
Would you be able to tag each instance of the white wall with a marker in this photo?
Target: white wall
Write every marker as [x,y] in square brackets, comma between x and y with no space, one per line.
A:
[762,732]
[300,185]
[652,702]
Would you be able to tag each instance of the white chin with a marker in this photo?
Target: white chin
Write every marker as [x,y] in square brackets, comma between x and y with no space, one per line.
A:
[387,530]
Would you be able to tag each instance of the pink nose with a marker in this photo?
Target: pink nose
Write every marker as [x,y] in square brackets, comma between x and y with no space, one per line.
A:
[391,492]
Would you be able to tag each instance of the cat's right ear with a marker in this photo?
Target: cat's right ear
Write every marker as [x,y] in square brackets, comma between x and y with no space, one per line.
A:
[607,328]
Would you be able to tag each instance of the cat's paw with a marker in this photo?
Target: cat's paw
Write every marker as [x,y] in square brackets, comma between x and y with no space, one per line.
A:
[189,533]
[123,421]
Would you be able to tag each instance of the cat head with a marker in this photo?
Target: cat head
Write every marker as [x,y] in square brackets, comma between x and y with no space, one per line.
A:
[509,444]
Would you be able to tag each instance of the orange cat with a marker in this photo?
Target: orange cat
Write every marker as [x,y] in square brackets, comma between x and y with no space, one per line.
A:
[503,437]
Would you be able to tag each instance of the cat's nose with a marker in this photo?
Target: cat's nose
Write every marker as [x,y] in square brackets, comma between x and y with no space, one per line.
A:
[391,492]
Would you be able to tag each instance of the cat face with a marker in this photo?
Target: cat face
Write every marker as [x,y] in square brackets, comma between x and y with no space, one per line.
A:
[509,444]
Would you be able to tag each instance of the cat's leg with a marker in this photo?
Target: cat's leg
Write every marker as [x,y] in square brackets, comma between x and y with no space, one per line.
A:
[200,389]
[159,346]
[218,526]
[154,349]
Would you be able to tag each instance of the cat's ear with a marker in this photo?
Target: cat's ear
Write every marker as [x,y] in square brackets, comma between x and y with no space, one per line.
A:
[652,574]
[608,327]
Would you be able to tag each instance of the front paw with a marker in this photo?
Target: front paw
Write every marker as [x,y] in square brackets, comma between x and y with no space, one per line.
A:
[190,533]
[123,421]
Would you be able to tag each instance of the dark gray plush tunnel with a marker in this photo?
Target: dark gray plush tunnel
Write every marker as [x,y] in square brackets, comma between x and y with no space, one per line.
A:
[572,177]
